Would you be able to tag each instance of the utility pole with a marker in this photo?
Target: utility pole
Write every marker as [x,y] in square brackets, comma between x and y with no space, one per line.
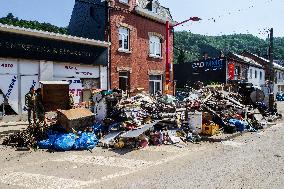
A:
[271,71]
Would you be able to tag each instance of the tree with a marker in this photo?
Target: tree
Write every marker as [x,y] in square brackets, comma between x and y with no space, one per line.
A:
[181,57]
[198,44]
[10,16]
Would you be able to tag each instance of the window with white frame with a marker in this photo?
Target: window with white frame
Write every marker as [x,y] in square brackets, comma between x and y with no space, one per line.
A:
[237,72]
[155,84]
[260,75]
[124,1]
[250,73]
[124,39]
[255,74]
[155,46]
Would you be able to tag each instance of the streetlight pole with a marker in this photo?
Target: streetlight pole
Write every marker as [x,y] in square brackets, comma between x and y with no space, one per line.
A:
[168,56]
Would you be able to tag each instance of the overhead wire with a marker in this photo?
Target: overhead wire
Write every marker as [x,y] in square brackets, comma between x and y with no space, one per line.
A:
[215,19]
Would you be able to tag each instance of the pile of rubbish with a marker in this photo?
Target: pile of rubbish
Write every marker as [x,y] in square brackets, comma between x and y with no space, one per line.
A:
[143,120]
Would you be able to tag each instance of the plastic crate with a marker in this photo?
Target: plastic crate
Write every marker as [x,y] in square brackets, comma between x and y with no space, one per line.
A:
[210,129]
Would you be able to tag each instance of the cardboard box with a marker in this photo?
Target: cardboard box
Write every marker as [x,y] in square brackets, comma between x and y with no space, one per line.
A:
[75,119]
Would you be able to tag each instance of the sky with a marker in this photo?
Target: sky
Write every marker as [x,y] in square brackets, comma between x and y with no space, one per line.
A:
[218,16]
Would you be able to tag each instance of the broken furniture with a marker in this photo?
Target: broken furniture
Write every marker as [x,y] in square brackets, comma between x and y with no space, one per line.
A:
[55,95]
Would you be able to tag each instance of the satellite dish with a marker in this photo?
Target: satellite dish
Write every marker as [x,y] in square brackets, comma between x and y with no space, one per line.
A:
[257,96]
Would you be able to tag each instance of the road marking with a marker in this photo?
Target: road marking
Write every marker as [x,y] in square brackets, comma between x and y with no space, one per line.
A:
[38,181]
[105,161]
[169,149]
[261,133]
[232,143]
[156,163]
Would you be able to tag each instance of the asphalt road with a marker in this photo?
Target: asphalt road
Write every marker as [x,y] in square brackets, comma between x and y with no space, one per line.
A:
[253,160]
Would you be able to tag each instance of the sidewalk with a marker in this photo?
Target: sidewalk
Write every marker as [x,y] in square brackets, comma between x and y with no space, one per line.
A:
[13,120]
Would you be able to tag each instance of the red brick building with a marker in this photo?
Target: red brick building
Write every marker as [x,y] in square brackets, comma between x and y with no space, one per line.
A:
[137,32]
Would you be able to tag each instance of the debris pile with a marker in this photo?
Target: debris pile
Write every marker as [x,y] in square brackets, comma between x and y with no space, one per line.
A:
[142,120]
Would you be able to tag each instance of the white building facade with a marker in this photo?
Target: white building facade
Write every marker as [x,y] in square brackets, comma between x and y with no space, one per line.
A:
[256,76]
[255,71]
[18,74]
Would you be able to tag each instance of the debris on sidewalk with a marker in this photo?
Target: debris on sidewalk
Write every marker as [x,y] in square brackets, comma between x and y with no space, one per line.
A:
[142,120]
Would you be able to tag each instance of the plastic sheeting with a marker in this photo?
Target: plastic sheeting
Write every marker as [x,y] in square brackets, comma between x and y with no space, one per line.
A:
[86,141]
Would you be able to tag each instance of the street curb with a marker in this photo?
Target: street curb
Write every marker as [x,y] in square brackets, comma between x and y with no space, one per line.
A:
[8,124]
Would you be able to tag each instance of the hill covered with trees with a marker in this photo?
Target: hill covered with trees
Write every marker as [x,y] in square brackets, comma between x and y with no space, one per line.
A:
[10,19]
[191,47]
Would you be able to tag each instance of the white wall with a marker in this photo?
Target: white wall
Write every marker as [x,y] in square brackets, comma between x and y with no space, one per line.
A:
[18,75]
[279,85]
[256,76]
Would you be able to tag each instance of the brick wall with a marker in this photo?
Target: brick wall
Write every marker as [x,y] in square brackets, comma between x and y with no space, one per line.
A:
[138,60]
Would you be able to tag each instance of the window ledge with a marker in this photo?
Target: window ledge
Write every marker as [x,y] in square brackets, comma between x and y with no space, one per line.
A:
[124,51]
[155,56]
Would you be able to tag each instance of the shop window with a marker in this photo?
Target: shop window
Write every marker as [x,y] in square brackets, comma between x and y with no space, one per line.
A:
[155,84]
[155,46]
[124,83]
[123,39]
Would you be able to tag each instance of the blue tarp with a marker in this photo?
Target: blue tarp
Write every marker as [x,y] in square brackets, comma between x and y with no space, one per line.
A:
[86,141]
[240,125]
[66,142]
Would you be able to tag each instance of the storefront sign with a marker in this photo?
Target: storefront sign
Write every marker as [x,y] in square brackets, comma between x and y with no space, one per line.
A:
[208,71]
[209,65]
[29,47]
[73,70]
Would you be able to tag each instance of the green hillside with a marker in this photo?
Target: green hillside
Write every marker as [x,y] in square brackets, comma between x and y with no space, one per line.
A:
[10,19]
[191,47]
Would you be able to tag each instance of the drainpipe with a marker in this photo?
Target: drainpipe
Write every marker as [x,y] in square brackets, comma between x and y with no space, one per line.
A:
[108,12]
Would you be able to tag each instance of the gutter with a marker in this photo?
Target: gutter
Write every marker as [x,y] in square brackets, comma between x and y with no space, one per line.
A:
[51,35]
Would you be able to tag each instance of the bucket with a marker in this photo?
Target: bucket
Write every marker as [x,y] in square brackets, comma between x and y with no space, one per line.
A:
[195,121]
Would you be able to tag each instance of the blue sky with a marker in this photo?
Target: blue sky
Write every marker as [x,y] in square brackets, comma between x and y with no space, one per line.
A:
[231,16]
